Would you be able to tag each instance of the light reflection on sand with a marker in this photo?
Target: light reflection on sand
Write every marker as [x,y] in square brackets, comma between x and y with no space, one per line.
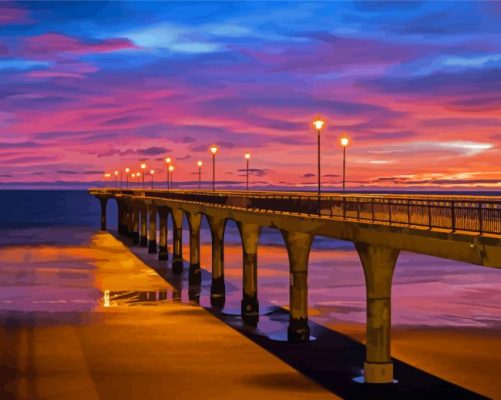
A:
[74,278]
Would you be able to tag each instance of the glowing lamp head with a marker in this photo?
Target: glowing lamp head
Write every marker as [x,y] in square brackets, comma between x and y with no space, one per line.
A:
[116,173]
[127,170]
[168,160]
[133,175]
[171,168]
[213,149]
[318,124]
[199,163]
[143,166]
[247,156]
[345,141]
[152,171]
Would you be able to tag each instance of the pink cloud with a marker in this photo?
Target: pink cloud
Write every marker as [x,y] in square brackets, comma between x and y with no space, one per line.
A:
[9,15]
[55,44]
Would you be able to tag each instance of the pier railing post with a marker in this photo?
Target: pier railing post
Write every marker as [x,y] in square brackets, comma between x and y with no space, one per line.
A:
[194,273]
[249,234]
[144,223]
[103,201]
[218,289]
[163,253]
[378,263]
[298,248]
[177,241]
[152,231]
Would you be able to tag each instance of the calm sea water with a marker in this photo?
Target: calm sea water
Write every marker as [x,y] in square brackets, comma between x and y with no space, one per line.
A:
[427,291]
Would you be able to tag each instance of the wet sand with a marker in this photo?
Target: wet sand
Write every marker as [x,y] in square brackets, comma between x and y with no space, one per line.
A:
[468,357]
[93,322]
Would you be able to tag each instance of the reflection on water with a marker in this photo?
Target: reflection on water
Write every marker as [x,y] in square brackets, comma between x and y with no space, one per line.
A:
[426,292]
[132,298]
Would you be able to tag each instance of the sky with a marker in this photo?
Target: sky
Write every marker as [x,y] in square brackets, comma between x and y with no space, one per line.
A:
[94,87]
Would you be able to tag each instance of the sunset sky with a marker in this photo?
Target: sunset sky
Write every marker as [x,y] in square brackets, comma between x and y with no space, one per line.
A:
[97,86]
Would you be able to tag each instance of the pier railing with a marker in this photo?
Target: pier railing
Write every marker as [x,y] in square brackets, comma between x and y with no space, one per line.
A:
[454,213]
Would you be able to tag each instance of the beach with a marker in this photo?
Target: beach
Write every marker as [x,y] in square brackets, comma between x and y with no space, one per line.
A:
[91,321]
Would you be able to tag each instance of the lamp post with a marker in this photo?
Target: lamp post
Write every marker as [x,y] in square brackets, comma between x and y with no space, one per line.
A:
[247,158]
[127,170]
[345,141]
[143,167]
[171,170]
[199,174]
[168,160]
[116,179]
[106,175]
[318,126]
[152,172]
[213,150]
[133,175]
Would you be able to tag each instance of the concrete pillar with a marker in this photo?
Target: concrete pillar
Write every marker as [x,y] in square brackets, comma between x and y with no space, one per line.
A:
[103,201]
[152,231]
[195,273]
[378,263]
[144,223]
[249,234]
[177,241]
[130,220]
[298,248]
[135,225]
[217,289]
[163,253]
[120,216]
[125,220]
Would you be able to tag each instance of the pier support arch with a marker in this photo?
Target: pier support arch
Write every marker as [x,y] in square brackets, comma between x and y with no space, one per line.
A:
[144,225]
[249,233]
[378,263]
[152,229]
[217,289]
[177,241]
[103,201]
[298,248]
[135,224]
[195,273]
[163,214]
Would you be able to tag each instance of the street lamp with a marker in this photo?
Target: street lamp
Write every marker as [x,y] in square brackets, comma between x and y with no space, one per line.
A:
[127,170]
[152,172]
[106,175]
[247,158]
[213,150]
[171,169]
[168,160]
[345,141]
[143,167]
[318,126]
[199,174]
[116,178]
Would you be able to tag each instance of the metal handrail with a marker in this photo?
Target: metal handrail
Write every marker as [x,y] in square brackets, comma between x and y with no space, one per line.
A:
[480,214]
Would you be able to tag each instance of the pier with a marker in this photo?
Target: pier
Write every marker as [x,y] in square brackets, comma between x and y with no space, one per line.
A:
[461,228]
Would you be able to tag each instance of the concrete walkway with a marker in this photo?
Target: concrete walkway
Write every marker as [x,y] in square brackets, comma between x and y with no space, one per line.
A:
[134,343]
